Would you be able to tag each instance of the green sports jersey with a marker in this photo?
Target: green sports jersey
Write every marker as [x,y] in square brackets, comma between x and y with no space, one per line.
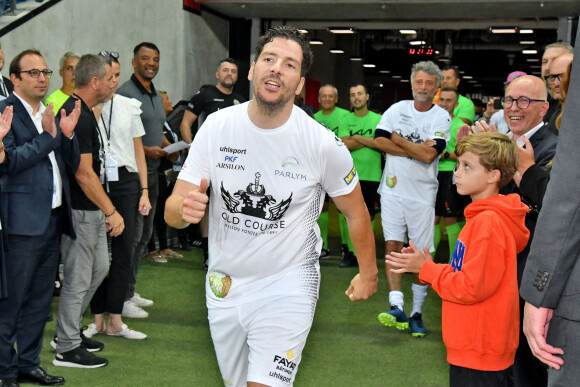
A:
[58,98]
[366,160]
[464,109]
[448,164]
[331,120]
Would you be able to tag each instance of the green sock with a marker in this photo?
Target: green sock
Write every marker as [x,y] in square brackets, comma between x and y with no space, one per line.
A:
[437,236]
[452,235]
[323,224]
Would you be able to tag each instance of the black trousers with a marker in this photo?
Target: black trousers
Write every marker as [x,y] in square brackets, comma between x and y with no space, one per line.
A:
[467,377]
[124,194]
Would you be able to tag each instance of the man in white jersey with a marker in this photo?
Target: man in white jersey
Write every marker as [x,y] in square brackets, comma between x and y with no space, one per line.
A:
[413,133]
[269,166]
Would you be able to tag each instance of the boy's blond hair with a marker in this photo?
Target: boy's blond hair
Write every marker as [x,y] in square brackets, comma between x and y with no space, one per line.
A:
[495,151]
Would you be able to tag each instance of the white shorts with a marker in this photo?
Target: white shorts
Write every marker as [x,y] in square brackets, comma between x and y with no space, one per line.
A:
[401,217]
[261,341]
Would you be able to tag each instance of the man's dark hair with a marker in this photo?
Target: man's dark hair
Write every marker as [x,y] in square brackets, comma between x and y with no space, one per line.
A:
[477,102]
[288,32]
[455,70]
[227,60]
[148,45]
[452,90]
[359,84]
[90,66]
[15,64]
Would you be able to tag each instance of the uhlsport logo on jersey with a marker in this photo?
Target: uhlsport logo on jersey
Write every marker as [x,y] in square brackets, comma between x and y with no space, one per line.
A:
[253,201]
[285,368]
[458,254]
[348,178]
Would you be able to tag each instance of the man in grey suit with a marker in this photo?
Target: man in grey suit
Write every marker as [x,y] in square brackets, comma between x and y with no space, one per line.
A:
[551,280]
[36,201]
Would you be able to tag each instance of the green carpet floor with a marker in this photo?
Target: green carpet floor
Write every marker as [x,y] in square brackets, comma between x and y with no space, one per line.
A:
[346,347]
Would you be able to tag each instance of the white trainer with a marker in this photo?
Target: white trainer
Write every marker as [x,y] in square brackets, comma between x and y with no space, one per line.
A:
[90,330]
[133,311]
[140,301]
[128,333]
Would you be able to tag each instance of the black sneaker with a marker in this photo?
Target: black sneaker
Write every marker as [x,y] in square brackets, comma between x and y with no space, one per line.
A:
[89,344]
[349,260]
[79,358]
[324,254]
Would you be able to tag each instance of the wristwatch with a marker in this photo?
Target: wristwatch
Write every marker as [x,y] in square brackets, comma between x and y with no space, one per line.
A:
[445,155]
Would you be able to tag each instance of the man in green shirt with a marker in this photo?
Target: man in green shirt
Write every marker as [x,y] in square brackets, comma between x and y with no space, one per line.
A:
[68,64]
[449,204]
[465,109]
[329,115]
[362,123]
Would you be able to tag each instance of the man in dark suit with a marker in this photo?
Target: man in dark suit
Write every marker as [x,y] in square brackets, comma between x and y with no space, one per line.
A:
[6,86]
[551,280]
[525,104]
[35,200]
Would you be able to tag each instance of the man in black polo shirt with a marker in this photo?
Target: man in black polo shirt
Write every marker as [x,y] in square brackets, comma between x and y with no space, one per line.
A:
[207,100]
[140,86]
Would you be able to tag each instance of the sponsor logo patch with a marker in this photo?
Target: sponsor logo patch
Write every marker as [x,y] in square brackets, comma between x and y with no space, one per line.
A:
[348,178]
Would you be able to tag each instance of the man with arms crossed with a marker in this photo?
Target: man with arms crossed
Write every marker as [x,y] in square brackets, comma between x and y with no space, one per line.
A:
[264,274]
[409,183]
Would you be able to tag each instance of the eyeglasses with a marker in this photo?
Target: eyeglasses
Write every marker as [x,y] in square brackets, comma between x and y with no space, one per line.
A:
[35,73]
[552,78]
[521,103]
[112,54]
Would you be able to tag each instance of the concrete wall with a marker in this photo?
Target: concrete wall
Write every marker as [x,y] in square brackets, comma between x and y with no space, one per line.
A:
[190,45]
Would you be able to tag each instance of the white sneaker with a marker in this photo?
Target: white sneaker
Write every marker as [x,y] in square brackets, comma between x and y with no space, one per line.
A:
[140,301]
[129,333]
[133,311]
[90,330]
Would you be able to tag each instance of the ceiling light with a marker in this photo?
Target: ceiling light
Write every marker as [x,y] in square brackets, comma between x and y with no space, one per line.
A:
[384,71]
[444,60]
[417,42]
[527,42]
[408,32]
[303,31]
[532,60]
[530,52]
[356,58]
[535,67]
[472,81]
[467,77]
[528,31]
[341,30]
[380,85]
[405,80]
[369,65]
[397,77]
[316,42]
[336,51]
[503,30]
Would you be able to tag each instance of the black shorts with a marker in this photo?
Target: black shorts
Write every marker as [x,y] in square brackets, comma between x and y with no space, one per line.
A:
[370,195]
[449,203]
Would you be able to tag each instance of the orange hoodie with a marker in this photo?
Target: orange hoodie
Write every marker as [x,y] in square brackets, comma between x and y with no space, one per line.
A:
[479,288]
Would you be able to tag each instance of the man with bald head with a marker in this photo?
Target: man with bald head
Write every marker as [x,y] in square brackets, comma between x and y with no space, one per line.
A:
[525,104]
[554,81]
[330,115]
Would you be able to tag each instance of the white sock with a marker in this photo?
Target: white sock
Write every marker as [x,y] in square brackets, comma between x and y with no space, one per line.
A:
[419,295]
[396,299]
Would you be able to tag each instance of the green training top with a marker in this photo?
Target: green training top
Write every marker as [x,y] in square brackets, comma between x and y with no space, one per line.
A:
[58,98]
[331,120]
[366,160]
[464,109]
[448,164]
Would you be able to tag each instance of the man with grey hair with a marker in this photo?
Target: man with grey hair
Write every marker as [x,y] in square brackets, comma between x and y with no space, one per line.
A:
[551,52]
[67,64]
[86,258]
[413,133]
[6,86]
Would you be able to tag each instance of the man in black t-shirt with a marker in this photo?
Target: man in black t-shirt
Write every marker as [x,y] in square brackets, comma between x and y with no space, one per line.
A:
[86,258]
[210,99]
[207,100]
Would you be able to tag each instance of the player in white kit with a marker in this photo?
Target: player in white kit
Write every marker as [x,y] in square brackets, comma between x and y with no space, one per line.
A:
[269,166]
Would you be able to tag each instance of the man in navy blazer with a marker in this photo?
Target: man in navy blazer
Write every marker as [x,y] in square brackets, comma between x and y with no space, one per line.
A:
[35,201]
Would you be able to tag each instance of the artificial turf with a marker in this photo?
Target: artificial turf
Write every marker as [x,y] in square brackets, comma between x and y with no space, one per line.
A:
[347,345]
